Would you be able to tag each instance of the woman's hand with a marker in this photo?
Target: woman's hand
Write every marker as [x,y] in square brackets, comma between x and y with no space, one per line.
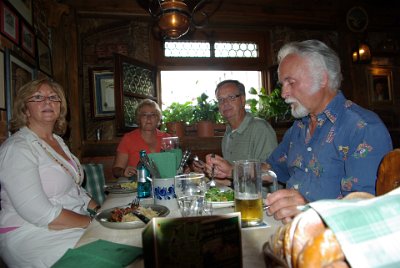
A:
[222,168]
[283,204]
[129,171]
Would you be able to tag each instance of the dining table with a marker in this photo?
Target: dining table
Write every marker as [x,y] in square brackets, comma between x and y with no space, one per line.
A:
[253,238]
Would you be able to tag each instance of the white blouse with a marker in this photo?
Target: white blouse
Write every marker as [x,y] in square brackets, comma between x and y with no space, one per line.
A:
[36,182]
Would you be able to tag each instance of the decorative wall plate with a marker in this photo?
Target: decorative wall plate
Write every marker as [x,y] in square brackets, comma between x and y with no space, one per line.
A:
[357,19]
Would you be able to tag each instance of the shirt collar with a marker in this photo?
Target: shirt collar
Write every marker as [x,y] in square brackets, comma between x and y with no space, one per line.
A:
[246,121]
[332,110]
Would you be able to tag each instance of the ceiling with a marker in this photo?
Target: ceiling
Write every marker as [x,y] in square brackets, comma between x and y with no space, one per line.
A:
[322,13]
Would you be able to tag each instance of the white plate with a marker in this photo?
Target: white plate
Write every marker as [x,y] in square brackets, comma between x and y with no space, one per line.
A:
[117,189]
[104,216]
[225,204]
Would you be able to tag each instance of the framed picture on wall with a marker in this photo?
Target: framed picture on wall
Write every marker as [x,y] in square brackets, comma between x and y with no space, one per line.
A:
[2,82]
[18,73]
[44,57]
[380,85]
[27,39]
[101,85]
[9,22]
[24,7]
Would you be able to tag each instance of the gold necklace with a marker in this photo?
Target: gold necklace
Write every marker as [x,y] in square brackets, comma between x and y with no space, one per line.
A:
[61,164]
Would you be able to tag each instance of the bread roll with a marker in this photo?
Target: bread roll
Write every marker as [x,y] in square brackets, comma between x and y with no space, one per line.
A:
[321,251]
[308,226]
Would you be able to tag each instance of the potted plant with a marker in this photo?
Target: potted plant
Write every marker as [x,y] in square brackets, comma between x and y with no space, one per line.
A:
[271,107]
[177,116]
[205,115]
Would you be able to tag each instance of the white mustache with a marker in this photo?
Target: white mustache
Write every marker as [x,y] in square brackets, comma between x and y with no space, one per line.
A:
[291,100]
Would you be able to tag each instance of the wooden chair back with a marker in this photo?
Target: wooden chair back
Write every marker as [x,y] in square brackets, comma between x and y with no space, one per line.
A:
[388,172]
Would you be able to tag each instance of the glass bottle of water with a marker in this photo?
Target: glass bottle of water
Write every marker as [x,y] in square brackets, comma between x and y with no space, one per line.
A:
[144,185]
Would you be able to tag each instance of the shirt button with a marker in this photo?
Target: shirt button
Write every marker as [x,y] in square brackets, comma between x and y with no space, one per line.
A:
[306,169]
[309,149]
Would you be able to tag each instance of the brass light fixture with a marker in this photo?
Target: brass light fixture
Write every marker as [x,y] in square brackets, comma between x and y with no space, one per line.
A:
[361,53]
[174,18]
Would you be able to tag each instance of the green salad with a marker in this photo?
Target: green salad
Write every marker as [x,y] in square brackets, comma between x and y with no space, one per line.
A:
[216,195]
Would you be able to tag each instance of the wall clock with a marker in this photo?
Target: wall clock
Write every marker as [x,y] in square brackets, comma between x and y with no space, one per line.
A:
[357,19]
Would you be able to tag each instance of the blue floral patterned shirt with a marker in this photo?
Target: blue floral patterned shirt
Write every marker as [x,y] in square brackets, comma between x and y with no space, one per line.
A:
[342,155]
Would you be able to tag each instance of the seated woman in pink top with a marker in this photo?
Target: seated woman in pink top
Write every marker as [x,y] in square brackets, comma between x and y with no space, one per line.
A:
[147,137]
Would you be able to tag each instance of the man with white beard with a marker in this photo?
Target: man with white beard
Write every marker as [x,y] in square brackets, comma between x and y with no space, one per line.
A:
[333,148]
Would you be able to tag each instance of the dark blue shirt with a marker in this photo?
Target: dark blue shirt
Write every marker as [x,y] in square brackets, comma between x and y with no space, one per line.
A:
[342,155]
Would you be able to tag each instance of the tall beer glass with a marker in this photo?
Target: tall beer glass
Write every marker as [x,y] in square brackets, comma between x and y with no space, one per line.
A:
[248,197]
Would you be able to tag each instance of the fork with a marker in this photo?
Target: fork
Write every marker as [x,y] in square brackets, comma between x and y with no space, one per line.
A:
[134,206]
[212,182]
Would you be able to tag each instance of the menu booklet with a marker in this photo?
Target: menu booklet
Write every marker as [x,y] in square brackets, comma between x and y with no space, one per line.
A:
[207,241]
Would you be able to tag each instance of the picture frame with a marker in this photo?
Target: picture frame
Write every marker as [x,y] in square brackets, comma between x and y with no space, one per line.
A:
[18,73]
[101,86]
[27,39]
[25,8]
[357,19]
[44,58]
[380,85]
[9,22]
[2,82]
[134,81]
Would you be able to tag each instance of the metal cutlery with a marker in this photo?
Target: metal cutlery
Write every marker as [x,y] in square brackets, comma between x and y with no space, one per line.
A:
[212,183]
[134,206]
[184,159]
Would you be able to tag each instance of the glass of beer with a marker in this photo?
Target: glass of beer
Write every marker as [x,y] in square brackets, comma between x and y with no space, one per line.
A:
[247,179]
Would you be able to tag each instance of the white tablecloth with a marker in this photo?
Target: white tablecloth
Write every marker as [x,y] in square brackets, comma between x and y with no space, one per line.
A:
[252,238]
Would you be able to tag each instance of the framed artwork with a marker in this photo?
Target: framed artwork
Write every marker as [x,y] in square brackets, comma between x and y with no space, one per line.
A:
[134,81]
[2,82]
[44,58]
[27,39]
[101,85]
[9,22]
[380,85]
[24,7]
[18,73]
[357,19]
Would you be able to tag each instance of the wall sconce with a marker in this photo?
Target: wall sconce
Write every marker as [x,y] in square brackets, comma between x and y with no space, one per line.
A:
[361,54]
[174,18]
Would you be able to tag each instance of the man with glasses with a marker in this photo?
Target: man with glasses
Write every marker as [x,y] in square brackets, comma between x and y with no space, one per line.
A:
[246,137]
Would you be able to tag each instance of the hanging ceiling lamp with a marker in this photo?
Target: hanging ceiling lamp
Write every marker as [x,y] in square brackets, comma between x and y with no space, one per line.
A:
[174,18]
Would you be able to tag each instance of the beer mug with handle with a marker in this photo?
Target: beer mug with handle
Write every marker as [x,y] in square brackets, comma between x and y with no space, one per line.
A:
[247,180]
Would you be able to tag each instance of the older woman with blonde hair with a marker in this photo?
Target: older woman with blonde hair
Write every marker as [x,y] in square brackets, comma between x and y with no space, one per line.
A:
[147,137]
[44,208]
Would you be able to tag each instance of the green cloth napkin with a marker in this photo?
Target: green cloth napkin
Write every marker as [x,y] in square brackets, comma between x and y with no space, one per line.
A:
[99,254]
[167,162]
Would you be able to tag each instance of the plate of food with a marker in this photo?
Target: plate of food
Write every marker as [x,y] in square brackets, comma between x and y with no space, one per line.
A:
[122,217]
[122,188]
[221,197]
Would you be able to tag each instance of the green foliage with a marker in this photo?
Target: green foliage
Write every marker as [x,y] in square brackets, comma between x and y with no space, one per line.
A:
[205,110]
[178,112]
[270,107]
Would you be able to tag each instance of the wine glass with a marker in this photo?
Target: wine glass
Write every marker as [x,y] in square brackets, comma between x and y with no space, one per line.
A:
[190,190]
[169,143]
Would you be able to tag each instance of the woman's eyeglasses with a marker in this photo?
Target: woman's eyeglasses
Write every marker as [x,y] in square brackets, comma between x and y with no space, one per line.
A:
[41,98]
[148,115]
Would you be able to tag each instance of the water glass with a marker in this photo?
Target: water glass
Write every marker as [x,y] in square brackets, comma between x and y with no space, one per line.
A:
[190,190]
[169,143]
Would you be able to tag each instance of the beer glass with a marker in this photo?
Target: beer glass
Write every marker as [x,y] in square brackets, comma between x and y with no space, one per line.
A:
[247,179]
